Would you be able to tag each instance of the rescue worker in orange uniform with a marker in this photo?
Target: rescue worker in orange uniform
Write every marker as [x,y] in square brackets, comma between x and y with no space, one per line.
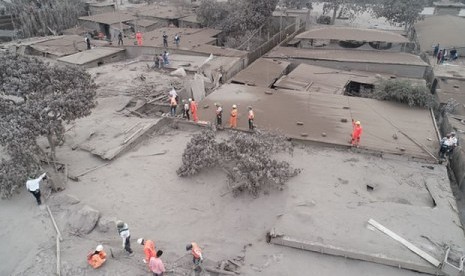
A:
[139,38]
[193,109]
[97,258]
[251,118]
[196,253]
[356,133]
[149,249]
[233,118]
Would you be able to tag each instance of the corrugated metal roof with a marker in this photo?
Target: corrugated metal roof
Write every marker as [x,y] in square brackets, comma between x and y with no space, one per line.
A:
[355,34]
[381,57]
[110,17]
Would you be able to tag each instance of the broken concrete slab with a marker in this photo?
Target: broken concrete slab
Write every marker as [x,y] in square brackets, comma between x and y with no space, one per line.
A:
[412,201]
[110,138]
[355,254]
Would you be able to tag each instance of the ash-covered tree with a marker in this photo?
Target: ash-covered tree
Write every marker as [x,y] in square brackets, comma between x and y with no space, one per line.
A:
[36,99]
[400,11]
[297,4]
[402,91]
[211,13]
[235,16]
[43,17]
[349,8]
[247,158]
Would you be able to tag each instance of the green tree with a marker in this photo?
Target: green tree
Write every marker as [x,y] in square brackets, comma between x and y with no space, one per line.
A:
[400,11]
[36,99]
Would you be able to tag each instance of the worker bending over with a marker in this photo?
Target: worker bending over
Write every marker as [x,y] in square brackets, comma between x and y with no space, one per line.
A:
[149,249]
[197,257]
[97,258]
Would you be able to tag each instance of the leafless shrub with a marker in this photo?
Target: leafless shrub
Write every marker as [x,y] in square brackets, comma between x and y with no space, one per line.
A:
[247,157]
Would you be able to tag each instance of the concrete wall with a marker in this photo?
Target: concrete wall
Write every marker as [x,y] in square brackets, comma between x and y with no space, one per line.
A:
[103,60]
[408,71]
[457,160]
[187,24]
[136,51]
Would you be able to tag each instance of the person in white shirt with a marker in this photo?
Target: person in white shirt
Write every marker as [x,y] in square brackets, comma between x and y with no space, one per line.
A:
[123,231]
[453,139]
[173,92]
[33,186]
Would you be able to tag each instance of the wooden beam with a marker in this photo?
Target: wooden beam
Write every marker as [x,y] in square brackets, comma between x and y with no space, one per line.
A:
[406,243]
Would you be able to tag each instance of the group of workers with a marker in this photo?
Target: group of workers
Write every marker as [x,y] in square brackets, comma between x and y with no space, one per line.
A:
[161,60]
[443,54]
[233,116]
[447,144]
[152,257]
[190,107]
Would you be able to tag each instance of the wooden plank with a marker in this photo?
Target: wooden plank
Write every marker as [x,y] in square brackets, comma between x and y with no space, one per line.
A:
[58,256]
[406,243]
[355,254]
[54,224]
[91,170]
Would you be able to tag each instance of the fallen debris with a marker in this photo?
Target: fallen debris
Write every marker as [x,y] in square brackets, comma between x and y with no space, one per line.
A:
[153,154]
[406,243]
[76,177]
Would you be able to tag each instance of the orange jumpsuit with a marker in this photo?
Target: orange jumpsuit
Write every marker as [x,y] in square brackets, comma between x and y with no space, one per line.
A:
[356,133]
[194,111]
[139,38]
[149,250]
[196,253]
[96,259]
[233,118]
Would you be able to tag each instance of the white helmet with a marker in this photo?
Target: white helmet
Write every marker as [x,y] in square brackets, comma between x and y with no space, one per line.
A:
[234,106]
[99,248]
[140,241]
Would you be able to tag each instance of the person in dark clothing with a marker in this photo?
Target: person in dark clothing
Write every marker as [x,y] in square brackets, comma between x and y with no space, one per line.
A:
[436,50]
[439,57]
[165,40]
[87,42]
[120,38]
[219,115]
[453,54]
